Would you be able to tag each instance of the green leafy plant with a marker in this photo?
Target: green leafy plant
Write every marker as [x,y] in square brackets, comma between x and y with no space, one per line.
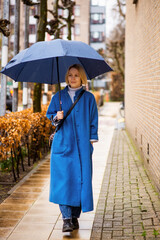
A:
[144,234]
[155,232]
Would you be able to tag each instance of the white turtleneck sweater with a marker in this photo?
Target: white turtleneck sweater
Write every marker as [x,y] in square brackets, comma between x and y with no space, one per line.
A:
[72,92]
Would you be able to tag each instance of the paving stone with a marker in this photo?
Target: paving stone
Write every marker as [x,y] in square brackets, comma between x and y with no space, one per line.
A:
[118,214]
[108,216]
[118,207]
[97,224]
[127,205]
[117,233]
[107,224]
[127,231]
[106,235]
[130,197]
[138,237]
[109,211]
[137,218]
[115,224]
[96,235]
[136,211]
[147,222]
[156,221]
[151,238]
[7,223]
[138,228]
[128,213]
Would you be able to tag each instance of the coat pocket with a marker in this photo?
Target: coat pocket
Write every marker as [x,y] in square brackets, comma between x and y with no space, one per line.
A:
[57,148]
[58,144]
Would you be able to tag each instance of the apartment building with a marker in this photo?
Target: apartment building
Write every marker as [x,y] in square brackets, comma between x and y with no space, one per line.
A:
[89,22]
[82,21]
[97,24]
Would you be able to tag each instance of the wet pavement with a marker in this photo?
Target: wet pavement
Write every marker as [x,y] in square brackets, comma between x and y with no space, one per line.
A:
[126,205]
[27,213]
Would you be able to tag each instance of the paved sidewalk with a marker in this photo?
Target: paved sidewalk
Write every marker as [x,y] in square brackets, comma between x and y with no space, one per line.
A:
[27,214]
[128,206]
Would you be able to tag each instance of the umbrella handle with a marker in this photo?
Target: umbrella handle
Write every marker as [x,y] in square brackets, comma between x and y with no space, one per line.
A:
[59,85]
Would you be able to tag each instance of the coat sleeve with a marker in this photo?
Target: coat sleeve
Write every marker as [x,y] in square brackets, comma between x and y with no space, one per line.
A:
[52,111]
[93,120]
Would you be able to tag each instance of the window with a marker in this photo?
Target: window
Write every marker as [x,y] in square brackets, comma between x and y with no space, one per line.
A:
[60,12]
[77,29]
[97,36]
[77,10]
[98,2]
[65,13]
[32,11]
[65,30]
[97,18]
[95,2]
[32,29]
[11,10]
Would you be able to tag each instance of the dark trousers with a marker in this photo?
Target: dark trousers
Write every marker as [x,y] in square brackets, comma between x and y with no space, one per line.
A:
[69,212]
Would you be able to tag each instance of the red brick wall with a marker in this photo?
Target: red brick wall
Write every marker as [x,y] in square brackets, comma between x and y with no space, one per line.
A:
[142,81]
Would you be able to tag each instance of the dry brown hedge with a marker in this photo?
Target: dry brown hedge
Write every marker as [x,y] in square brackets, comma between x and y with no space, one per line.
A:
[24,130]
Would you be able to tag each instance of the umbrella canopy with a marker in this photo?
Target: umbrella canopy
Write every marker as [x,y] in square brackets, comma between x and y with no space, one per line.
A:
[48,62]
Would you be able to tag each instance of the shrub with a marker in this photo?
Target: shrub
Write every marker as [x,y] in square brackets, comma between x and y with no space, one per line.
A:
[21,132]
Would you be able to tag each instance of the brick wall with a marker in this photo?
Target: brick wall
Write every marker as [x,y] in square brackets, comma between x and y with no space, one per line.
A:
[142,83]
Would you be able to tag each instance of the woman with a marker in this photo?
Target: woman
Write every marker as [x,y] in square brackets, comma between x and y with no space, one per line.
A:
[71,151]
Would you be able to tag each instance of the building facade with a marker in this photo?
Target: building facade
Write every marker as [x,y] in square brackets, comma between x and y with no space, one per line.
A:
[97,24]
[89,23]
[81,24]
[142,83]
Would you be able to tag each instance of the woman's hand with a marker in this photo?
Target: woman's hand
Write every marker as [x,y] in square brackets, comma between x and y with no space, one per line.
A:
[59,115]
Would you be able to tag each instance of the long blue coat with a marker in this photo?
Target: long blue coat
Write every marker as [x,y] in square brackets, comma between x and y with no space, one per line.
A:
[71,151]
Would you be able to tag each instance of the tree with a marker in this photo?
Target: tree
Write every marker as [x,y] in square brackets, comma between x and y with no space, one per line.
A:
[3,27]
[16,50]
[69,5]
[4,30]
[40,37]
[59,22]
[117,87]
[30,3]
[116,51]
[53,27]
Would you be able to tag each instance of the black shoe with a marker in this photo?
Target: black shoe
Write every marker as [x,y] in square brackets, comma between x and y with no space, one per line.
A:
[67,225]
[75,223]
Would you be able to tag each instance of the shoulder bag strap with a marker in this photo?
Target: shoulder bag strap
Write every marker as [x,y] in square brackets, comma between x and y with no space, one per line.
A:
[69,111]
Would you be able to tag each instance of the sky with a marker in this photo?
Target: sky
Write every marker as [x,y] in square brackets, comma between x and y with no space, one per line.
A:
[111,18]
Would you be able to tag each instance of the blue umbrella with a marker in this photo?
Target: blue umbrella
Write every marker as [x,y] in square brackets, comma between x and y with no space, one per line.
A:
[48,62]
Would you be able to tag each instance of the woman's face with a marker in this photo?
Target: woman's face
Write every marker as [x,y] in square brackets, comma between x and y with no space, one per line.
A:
[74,78]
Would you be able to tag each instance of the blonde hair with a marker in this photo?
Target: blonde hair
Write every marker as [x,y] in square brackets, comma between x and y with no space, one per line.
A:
[81,71]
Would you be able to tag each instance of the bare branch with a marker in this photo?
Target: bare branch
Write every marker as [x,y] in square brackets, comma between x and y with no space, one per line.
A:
[30,2]
[120,8]
[3,27]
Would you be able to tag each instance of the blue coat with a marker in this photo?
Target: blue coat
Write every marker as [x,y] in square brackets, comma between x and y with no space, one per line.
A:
[71,151]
